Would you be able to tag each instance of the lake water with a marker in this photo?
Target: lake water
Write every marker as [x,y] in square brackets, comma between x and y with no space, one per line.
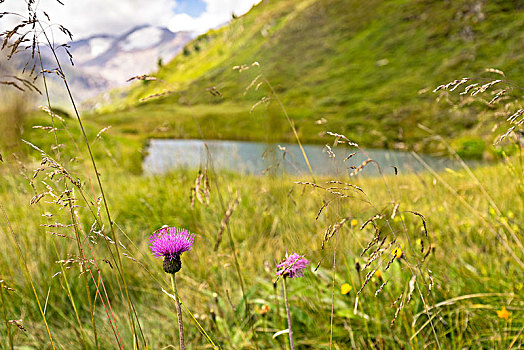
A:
[261,158]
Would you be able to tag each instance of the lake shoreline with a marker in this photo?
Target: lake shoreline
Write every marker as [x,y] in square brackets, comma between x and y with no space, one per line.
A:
[257,158]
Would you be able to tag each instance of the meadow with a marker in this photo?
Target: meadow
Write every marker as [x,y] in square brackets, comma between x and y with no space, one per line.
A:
[409,261]
[470,218]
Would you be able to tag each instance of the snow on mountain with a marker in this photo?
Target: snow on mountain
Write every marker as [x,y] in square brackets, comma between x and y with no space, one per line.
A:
[103,62]
[142,39]
[88,49]
[134,53]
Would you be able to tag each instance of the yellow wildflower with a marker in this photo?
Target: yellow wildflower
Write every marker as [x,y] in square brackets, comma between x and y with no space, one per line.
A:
[345,288]
[503,313]
[354,222]
[378,274]
[398,252]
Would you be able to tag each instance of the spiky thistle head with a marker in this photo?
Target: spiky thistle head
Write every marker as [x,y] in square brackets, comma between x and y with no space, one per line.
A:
[169,243]
[292,266]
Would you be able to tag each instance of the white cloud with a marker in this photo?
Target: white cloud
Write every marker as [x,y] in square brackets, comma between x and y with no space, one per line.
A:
[88,17]
[217,12]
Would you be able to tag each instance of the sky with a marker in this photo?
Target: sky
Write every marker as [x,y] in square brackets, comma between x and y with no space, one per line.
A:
[85,18]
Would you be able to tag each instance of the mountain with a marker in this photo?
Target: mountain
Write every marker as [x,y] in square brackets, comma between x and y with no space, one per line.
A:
[104,62]
[137,52]
[362,68]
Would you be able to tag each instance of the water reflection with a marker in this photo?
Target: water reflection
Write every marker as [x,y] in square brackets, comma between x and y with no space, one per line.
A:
[260,158]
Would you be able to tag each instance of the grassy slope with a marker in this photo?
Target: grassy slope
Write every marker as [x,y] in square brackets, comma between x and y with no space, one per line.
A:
[275,216]
[359,65]
[469,261]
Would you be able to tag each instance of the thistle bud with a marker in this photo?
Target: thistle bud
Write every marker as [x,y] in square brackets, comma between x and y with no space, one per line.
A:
[172,264]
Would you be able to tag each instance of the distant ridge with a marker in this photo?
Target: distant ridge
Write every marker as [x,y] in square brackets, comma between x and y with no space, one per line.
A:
[112,59]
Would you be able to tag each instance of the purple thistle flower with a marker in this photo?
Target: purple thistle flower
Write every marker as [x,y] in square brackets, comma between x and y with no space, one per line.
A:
[293,266]
[169,243]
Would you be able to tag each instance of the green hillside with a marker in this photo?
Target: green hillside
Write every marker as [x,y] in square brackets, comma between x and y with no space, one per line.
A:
[366,67]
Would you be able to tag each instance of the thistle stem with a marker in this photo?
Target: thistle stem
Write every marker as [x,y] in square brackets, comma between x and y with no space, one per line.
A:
[291,343]
[178,313]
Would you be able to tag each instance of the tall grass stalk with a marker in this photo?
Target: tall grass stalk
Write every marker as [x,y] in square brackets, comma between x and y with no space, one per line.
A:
[71,297]
[8,335]
[118,261]
[64,275]
[112,319]
[23,263]
[178,313]
[73,217]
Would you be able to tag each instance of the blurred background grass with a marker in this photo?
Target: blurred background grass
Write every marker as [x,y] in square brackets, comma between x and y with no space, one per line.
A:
[274,216]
